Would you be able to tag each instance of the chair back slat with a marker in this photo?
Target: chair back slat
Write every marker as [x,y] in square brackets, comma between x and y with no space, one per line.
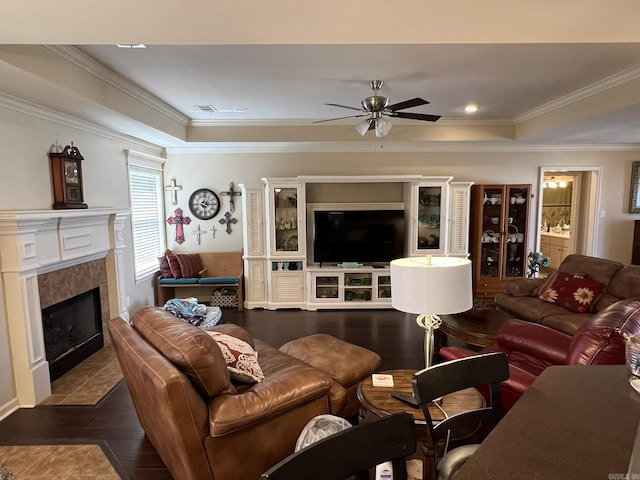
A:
[351,451]
[448,377]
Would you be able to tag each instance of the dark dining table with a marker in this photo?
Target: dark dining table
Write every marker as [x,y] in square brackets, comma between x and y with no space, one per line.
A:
[574,422]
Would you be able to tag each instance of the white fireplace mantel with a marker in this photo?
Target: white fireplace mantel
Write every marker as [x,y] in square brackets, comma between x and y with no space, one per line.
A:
[40,241]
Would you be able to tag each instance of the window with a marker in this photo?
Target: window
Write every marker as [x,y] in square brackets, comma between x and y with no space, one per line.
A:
[147,216]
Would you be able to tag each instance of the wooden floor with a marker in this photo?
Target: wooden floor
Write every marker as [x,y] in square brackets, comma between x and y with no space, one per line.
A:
[113,422]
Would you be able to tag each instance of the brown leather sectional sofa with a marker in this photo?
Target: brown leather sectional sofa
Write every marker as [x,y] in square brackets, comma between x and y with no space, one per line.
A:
[205,426]
[520,300]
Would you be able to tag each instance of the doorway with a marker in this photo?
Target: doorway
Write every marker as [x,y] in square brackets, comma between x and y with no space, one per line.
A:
[568,201]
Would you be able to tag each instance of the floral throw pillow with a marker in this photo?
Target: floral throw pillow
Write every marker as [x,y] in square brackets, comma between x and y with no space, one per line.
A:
[241,358]
[574,292]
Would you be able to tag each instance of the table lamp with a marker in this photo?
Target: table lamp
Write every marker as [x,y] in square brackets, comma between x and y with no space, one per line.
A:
[429,286]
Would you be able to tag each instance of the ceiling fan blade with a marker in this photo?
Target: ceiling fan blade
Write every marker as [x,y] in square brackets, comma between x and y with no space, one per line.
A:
[416,116]
[343,106]
[340,118]
[414,102]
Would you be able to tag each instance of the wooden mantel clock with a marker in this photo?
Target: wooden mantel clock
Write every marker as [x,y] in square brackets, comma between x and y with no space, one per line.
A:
[66,174]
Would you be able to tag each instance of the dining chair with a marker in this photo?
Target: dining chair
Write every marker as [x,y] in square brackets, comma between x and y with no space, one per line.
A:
[433,383]
[352,451]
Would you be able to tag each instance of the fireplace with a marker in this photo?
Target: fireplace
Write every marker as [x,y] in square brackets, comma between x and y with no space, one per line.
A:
[72,331]
[48,257]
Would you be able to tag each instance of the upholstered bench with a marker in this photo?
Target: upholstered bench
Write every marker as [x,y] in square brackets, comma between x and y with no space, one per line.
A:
[346,364]
[215,269]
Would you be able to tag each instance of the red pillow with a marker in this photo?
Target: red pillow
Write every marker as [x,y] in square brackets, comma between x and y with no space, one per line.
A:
[174,265]
[190,264]
[574,292]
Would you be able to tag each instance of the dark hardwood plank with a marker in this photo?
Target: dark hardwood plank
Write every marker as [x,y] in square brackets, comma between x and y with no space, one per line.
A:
[113,422]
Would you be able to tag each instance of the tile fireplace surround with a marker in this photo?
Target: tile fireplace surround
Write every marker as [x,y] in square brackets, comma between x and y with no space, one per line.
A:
[39,245]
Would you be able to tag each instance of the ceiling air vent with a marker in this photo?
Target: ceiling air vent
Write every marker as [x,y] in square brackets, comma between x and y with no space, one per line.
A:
[207,108]
[212,109]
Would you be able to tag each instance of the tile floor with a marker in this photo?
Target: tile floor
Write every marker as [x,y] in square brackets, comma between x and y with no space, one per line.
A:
[87,383]
[58,462]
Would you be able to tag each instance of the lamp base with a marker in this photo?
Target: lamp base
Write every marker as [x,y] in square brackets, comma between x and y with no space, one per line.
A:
[430,323]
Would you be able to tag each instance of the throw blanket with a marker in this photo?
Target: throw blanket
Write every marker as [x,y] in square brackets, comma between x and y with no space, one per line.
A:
[193,312]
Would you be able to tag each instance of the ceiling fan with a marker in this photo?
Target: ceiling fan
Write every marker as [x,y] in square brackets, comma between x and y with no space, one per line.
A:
[376,107]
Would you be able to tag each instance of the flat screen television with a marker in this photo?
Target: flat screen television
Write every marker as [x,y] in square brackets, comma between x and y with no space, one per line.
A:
[363,236]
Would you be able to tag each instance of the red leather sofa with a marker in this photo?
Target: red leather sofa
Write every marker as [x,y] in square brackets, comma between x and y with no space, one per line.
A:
[532,347]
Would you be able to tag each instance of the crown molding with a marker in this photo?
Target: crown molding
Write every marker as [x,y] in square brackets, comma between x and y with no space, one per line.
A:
[46,114]
[581,94]
[88,64]
[369,147]
[299,122]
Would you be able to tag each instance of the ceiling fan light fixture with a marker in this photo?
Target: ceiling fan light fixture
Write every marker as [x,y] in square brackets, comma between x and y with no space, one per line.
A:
[362,127]
[383,126]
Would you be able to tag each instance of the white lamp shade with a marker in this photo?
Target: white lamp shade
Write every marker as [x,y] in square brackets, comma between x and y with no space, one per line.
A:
[431,285]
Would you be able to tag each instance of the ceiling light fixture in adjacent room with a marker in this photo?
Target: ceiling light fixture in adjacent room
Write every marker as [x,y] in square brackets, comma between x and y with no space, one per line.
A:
[471,108]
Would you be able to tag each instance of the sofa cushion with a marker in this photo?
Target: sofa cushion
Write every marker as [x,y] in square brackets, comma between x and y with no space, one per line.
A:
[598,269]
[177,281]
[601,340]
[624,284]
[241,358]
[531,309]
[521,287]
[574,292]
[567,322]
[219,280]
[190,264]
[189,348]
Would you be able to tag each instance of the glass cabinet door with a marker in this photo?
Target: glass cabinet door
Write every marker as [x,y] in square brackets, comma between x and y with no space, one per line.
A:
[429,233]
[492,221]
[285,221]
[516,249]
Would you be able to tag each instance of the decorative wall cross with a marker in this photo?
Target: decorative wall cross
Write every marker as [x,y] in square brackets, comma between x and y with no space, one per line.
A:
[198,233]
[213,231]
[228,221]
[173,188]
[179,220]
[231,193]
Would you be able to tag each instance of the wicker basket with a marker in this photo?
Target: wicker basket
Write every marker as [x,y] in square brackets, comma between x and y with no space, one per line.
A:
[222,297]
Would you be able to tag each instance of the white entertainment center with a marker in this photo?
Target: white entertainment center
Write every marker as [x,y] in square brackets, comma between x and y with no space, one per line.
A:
[282,230]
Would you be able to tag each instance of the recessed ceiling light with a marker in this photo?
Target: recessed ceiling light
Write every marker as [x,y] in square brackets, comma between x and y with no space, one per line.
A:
[471,108]
[131,45]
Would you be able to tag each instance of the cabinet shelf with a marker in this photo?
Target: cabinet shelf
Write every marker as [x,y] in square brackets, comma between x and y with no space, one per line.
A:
[333,287]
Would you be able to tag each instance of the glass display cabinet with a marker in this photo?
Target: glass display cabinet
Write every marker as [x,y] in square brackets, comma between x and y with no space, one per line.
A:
[499,231]
[285,221]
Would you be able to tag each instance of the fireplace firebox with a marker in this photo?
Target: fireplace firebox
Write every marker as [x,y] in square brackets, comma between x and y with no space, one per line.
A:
[72,331]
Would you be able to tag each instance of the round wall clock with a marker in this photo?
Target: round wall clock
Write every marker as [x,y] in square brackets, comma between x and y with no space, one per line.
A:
[204,204]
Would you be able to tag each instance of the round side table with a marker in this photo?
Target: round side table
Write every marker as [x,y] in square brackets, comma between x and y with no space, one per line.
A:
[377,402]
